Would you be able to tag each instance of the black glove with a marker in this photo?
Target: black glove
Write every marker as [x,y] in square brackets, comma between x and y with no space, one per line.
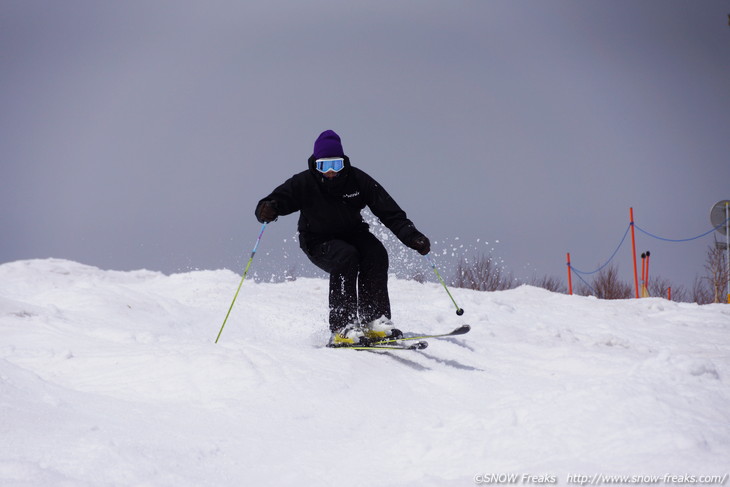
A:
[266,212]
[420,244]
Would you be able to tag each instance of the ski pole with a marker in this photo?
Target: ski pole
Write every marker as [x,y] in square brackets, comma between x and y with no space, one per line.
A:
[245,271]
[459,311]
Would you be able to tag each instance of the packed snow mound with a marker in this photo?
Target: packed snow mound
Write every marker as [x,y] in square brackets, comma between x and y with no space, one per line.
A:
[113,378]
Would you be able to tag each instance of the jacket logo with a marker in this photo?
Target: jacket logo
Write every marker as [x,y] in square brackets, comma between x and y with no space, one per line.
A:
[351,195]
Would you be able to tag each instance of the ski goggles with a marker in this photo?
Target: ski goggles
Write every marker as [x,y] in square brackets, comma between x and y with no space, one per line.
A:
[327,164]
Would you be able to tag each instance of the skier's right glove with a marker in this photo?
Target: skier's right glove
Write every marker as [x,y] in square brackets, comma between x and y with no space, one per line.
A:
[266,211]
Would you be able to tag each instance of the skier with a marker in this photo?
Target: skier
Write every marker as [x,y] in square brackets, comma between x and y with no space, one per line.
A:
[329,196]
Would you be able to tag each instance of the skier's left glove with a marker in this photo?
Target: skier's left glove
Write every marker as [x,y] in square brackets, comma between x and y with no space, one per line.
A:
[420,244]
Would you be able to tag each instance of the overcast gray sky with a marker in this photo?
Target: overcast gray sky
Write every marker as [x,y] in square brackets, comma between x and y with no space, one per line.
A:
[141,134]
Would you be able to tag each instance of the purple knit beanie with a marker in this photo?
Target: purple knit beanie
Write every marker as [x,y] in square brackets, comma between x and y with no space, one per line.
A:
[328,145]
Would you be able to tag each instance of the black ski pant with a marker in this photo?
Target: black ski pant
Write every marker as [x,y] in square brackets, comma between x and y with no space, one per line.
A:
[358,267]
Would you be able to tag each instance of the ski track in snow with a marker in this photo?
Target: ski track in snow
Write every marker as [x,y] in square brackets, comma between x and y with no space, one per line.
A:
[112,378]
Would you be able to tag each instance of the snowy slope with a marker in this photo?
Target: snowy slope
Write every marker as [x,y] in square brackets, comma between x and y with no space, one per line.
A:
[112,378]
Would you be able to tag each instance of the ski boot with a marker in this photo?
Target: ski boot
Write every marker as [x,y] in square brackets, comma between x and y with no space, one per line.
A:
[348,336]
[381,329]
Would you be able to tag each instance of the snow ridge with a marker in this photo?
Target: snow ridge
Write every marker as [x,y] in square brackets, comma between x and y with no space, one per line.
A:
[112,378]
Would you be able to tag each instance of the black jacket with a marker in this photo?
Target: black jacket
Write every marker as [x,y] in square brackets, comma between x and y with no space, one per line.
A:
[331,208]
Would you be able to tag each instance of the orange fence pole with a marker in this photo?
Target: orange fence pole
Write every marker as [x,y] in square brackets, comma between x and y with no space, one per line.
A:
[570,277]
[646,275]
[633,252]
[643,271]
